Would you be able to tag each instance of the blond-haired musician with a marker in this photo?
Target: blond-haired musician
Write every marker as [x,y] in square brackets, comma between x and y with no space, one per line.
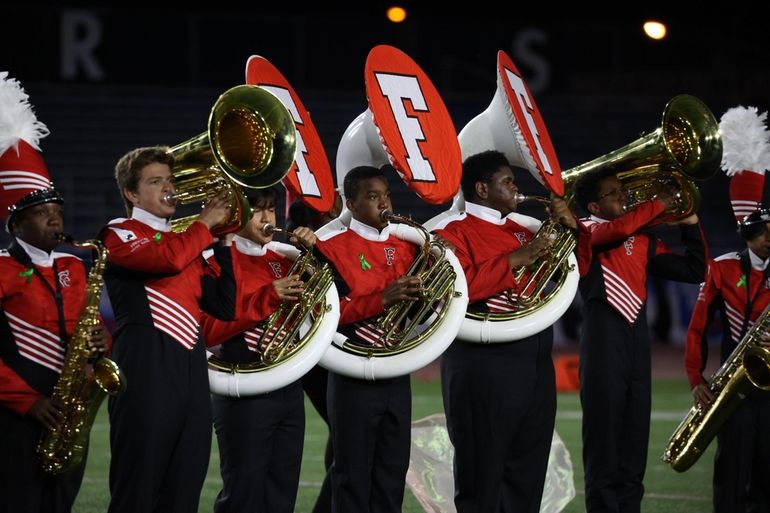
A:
[160,426]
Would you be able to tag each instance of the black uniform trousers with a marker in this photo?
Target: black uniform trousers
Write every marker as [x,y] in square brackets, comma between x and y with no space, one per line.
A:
[742,461]
[615,395]
[260,439]
[371,437]
[315,383]
[500,404]
[160,425]
[23,484]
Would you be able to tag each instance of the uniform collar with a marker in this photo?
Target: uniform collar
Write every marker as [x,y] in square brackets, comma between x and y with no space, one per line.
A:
[249,247]
[369,232]
[487,214]
[597,219]
[756,262]
[161,224]
[37,255]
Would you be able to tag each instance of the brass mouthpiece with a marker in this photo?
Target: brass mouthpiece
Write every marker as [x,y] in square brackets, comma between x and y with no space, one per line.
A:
[170,198]
[386,215]
[269,230]
[522,198]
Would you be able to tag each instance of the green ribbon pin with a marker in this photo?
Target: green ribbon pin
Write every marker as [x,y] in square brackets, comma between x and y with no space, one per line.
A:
[364,264]
[742,281]
[27,274]
[156,237]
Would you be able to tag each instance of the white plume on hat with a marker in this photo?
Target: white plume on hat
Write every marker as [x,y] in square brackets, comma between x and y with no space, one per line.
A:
[17,119]
[745,141]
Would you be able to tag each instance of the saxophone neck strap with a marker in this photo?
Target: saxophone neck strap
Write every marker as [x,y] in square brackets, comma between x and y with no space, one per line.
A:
[21,256]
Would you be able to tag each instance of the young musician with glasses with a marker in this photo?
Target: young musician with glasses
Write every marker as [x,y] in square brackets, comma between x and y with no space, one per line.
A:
[614,343]
[737,288]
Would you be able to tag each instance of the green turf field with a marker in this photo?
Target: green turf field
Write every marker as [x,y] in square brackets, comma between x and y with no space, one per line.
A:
[666,490]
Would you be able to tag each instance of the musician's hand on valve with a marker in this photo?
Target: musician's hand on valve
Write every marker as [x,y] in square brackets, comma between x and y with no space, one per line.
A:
[303,235]
[404,288]
[530,252]
[702,395]
[216,211]
[559,211]
[289,288]
[47,411]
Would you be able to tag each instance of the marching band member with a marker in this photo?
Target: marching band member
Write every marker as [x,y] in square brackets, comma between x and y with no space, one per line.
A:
[499,399]
[370,420]
[614,344]
[160,426]
[738,286]
[41,293]
[260,437]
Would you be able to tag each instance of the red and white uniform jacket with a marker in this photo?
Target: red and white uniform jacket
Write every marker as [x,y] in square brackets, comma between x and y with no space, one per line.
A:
[31,346]
[257,267]
[365,262]
[729,290]
[623,254]
[483,239]
[155,277]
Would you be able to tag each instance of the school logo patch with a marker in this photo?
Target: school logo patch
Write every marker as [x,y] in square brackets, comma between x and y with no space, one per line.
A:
[64,278]
[276,267]
[629,245]
[389,254]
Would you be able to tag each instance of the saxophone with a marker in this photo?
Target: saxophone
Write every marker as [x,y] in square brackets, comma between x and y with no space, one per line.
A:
[747,367]
[80,391]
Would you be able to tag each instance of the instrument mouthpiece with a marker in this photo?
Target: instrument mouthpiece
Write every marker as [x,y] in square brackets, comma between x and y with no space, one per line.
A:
[522,198]
[269,229]
[386,215]
[170,198]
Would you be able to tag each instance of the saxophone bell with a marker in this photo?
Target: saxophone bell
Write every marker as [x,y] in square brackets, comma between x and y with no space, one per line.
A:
[747,368]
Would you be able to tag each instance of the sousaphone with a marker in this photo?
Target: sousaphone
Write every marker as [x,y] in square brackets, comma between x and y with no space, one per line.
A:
[512,125]
[293,338]
[407,126]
